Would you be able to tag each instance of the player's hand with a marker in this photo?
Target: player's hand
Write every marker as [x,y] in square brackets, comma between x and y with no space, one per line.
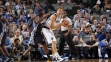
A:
[46,15]
[0,39]
[66,34]
[56,35]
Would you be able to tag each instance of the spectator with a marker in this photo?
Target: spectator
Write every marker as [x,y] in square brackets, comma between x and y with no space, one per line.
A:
[90,30]
[78,21]
[87,17]
[5,15]
[17,7]
[94,25]
[85,37]
[103,35]
[30,12]
[25,35]
[84,21]
[74,32]
[82,30]
[75,16]
[21,19]
[18,49]
[28,3]
[37,8]
[78,30]
[1,10]
[109,6]
[1,3]
[20,25]
[93,47]
[107,48]
[30,22]
[96,10]
[11,20]
[83,8]
[48,7]
[8,44]
[92,18]
[10,3]
[20,10]
[5,8]
[24,14]
[104,22]
[102,16]
[76,42]
[17,35]
[97,32]
[10,11]
[86,11]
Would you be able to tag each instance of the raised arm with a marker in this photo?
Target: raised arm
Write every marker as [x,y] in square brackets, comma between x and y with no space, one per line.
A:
[5,20]
[38,20]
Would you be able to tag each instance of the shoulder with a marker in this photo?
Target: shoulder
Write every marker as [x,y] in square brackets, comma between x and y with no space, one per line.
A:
[52,16]
[103,40]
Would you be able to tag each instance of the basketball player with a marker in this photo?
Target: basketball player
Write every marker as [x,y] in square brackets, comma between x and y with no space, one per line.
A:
[53,22]
[3,36]
[36,37]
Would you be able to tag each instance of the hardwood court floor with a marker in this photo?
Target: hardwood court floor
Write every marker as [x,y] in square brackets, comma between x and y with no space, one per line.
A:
[81,60]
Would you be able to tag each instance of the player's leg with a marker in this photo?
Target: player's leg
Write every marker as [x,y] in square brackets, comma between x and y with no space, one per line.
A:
[46,50]
[28,50]
[5,50]
[2,51]
[25,53]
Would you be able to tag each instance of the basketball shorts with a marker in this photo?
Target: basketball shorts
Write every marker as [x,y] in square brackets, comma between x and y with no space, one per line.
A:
[49,35]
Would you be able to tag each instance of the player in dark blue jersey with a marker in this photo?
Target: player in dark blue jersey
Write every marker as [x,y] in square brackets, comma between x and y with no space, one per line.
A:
[3,35]
[36,36]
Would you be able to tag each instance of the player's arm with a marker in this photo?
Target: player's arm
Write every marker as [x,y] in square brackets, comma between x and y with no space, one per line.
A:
[58,32]
[52,25]
[69,28]
[5,20]
[38,20]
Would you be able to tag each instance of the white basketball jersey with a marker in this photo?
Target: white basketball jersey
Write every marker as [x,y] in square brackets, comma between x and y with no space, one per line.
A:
[57,21]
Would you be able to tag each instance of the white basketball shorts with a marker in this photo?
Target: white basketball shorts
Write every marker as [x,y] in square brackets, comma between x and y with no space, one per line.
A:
[49,35]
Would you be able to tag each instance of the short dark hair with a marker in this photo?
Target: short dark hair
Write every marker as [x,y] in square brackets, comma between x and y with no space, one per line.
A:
[87,27]
[104,18]
[97,27]
[16,40]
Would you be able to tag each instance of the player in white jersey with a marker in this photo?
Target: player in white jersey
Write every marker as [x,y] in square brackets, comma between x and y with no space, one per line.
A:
[52,23]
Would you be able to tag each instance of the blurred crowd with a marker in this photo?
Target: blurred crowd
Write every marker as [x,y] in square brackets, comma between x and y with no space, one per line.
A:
[86,30]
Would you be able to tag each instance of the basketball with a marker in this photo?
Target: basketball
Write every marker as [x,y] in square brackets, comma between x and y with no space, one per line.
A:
[66,23]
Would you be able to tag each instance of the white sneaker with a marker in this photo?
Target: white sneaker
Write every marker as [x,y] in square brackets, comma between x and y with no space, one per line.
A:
[106,56]
[60,59]
[100,56]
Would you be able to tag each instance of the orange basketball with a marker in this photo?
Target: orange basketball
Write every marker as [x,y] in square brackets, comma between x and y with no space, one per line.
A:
[66,23]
